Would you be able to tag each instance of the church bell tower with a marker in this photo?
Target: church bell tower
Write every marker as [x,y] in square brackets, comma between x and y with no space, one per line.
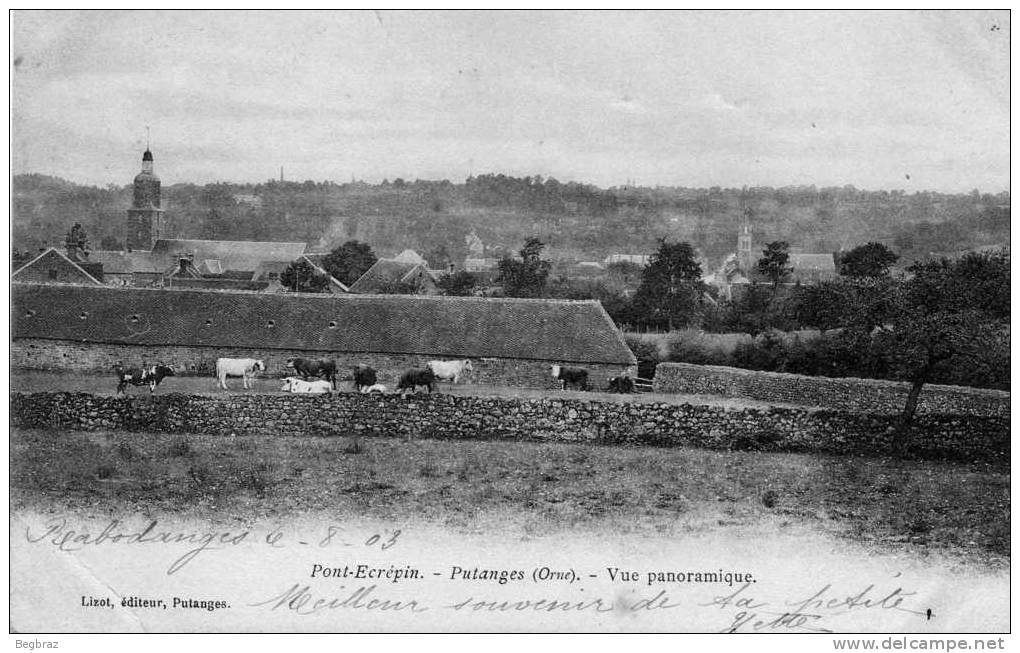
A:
[744,256]
[145,221]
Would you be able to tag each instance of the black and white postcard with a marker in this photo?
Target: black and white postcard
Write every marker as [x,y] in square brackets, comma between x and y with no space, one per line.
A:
[519,321]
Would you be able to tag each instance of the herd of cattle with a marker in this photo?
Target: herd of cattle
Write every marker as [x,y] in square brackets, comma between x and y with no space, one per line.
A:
[319,376]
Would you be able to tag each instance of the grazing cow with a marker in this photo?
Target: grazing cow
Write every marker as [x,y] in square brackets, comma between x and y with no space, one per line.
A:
[150,376]
[299,386]
[411,379]
[364,377]
[369,389]
[576,376]
[246,368]
[450,370]
[321,368]
[622,384]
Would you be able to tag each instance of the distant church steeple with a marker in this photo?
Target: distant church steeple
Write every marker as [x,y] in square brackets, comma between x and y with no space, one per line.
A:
[744,256]
[145,222]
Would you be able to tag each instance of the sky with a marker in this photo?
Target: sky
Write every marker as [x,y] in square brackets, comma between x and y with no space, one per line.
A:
[880,100]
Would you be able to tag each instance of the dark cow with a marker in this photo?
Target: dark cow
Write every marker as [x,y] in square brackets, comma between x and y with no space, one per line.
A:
[575,376]
[322,368]
[364,377]
[150,376]
[622,384]
[411,379]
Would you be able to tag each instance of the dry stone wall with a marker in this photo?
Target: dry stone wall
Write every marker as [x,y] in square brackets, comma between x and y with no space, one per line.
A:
[850,394]
[948,437]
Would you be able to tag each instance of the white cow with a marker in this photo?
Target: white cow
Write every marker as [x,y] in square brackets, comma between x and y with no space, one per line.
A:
[378,387]
[296,385]
[246,368]
[450,370]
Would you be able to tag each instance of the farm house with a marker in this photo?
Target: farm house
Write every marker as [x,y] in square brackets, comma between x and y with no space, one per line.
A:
[511,342]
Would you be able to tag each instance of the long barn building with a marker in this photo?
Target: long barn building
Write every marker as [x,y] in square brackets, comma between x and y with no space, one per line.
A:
[509,341]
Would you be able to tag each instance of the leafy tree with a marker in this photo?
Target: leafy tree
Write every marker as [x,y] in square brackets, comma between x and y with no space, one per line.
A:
[858,304]
[754,310]
[349,261]
[947,314]
[820,305]
[525,277]
[459,284]
[671,288]
[868,260]
[624,270]
[773,263]
[300,276]
[220,218]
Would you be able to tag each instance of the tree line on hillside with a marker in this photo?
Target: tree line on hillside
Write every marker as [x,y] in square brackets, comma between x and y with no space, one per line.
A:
[574,220]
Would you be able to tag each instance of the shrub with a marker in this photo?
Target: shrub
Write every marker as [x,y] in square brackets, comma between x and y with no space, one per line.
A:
[700,348]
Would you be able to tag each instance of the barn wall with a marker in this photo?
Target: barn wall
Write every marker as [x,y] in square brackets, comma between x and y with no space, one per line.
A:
[59,355]
[867,395]
[950,437]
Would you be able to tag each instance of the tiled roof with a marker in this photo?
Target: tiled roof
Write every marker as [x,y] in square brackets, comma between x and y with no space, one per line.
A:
[475,327]
[58,257]
[410,256]
[383,273]
[232,254]
[118,262]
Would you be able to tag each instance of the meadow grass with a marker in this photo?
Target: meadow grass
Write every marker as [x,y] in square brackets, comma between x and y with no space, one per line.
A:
[532,487]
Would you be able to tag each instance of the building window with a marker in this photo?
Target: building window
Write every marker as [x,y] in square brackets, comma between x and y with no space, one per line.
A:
[53,274]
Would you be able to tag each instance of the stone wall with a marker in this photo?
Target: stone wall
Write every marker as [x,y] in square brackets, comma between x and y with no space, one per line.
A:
[61,355]
[864,395]
[949,437]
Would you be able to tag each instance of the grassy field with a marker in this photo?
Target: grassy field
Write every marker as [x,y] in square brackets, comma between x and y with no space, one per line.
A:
[522,488]
[40,381]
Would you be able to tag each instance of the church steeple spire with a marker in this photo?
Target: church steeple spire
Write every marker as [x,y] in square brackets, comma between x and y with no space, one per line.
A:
[147,156]
[145,217]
